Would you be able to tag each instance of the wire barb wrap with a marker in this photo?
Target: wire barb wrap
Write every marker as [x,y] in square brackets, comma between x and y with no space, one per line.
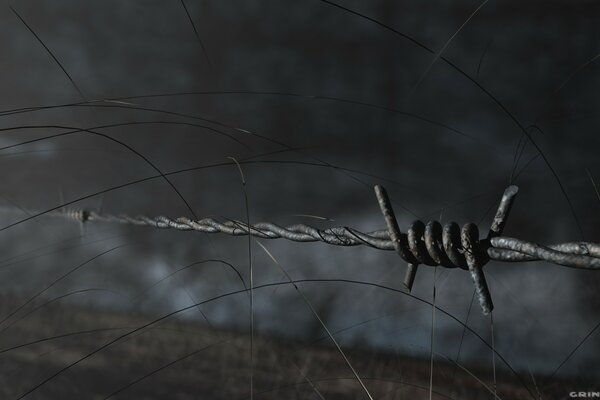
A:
[449,247]
[429,244]
[584,255]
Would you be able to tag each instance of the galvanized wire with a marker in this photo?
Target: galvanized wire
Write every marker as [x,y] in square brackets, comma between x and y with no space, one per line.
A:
[584,255]
[429,244]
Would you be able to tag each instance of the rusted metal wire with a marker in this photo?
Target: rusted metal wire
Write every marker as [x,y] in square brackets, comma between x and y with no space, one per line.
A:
[423,244]
[399,240]
[431,245]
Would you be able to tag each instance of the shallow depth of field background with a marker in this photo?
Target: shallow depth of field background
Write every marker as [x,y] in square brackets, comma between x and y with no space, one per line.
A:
[264,91]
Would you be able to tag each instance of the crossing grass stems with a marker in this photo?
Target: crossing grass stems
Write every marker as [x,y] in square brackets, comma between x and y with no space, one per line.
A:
[19,313]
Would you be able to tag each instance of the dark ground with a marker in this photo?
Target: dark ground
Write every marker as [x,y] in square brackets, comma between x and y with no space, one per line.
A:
[215,364]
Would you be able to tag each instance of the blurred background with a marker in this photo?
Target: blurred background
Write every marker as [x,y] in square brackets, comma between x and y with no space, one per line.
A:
[318,101]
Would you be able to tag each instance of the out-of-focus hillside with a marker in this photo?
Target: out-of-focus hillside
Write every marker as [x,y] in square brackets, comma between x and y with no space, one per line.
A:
[181,360]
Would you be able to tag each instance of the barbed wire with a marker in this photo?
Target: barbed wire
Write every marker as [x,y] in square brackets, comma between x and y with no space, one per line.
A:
[583,255]
[423,244]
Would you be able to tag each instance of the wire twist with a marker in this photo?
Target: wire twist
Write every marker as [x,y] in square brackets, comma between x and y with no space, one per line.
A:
[427,247]
[423,244]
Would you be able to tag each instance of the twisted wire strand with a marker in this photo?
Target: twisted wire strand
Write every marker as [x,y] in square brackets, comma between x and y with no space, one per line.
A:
[428,244]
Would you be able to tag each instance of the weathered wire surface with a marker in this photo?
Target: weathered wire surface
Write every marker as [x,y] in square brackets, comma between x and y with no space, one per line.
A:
[429,244]
[573,254]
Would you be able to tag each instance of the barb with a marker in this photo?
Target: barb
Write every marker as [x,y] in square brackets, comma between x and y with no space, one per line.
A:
[427,244]
[584,255]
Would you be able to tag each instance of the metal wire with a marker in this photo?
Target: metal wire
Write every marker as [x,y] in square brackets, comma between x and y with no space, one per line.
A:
[429,248]
[429,244]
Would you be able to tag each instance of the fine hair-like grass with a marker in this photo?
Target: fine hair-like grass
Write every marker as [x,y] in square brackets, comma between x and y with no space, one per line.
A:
[188,315]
